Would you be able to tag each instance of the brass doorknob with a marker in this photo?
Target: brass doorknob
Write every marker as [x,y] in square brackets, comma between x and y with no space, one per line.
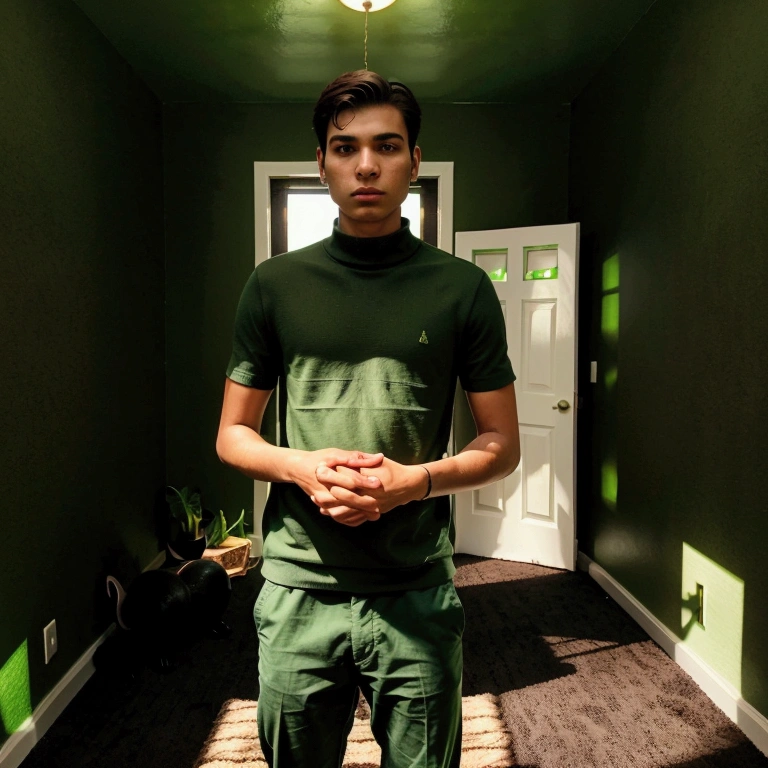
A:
[562,406]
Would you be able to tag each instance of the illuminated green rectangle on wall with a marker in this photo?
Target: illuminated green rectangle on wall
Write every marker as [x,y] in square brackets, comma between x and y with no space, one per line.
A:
[719,641]
[609,481]
[611,273]
[609,316]
[15,699]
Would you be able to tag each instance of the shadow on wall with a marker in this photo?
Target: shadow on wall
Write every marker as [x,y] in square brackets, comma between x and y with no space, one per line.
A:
[712,614]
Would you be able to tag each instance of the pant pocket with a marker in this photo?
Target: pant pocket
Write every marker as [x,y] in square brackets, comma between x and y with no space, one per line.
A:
[266,590]
[455,601]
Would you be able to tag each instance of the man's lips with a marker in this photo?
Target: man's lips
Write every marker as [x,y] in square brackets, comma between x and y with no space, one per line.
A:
[367,193]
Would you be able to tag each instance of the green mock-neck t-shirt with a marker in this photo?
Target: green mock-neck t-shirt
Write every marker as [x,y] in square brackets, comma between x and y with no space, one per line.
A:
[367,338]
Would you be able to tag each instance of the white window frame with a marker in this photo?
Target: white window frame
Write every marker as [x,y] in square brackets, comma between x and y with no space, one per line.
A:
[264,172]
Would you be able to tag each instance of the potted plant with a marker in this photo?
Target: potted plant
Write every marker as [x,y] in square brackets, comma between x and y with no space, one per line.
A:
[228,545]
[186,538]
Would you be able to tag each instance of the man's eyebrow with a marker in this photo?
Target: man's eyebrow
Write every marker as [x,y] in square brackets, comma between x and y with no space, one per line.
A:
[377,137]
[386,136]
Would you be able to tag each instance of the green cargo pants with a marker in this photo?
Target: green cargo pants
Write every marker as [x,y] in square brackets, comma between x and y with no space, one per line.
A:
[402,650]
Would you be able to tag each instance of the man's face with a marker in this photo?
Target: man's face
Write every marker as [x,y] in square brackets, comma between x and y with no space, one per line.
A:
[369,168]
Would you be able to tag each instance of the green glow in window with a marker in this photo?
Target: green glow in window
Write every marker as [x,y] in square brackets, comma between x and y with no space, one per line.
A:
[540,262]
[493,262]
[15,699]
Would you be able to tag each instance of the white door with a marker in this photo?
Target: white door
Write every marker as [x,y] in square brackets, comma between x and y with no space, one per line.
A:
[529,516]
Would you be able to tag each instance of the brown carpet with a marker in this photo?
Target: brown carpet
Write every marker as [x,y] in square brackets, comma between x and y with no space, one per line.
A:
[579,684]
[234,742]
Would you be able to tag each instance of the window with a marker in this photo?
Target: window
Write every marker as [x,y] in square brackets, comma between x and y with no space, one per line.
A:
[437,221]
[302,212]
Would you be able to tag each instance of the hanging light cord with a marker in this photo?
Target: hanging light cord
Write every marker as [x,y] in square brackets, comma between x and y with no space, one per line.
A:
[367,5]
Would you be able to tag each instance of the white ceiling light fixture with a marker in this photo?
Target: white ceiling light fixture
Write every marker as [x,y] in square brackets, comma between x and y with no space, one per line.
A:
[373,5]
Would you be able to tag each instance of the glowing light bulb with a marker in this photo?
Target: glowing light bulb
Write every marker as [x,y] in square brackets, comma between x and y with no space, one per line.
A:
[358,5]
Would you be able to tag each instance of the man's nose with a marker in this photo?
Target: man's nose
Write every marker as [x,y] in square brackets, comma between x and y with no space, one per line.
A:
[367,165]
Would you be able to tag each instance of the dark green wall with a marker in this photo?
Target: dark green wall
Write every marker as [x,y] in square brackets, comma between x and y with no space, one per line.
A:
[510,170]
[669,166]
[81,342]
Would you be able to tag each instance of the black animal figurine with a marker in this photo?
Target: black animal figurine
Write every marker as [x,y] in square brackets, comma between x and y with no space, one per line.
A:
[164,609]
[158,608]
[210,588]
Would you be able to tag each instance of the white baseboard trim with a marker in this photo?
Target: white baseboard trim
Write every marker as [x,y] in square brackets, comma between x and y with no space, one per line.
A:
[20,743]
[725,696]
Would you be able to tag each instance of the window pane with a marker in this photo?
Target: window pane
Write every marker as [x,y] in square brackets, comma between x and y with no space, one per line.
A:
[311,215]
[540,262]
[493,263]
[310,218]
[411,209]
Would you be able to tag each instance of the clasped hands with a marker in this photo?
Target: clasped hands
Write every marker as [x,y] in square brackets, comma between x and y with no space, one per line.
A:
[354,487]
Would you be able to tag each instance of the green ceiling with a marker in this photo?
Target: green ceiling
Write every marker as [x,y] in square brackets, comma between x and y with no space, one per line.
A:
[517,51]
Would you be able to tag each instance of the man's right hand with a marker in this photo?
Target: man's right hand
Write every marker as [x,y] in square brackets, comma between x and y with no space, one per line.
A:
[240,445]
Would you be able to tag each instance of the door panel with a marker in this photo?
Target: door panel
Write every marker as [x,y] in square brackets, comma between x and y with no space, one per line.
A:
[530,515]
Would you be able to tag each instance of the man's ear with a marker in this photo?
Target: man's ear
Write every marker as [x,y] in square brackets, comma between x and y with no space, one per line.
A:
[321,162]
[415,163]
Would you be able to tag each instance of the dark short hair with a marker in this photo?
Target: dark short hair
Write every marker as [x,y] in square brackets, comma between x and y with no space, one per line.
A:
[362,88]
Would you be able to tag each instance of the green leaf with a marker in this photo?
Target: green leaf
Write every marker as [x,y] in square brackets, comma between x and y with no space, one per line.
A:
[186,508]
[216,531]
[237,528]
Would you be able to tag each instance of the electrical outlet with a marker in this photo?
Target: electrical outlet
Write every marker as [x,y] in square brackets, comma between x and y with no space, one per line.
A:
[712,614]
[700,606]
[51,640]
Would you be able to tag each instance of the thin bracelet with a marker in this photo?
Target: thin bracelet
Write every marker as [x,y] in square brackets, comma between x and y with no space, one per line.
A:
[429,484]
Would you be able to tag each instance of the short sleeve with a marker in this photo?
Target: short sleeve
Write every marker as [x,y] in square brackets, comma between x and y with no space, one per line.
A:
[483,360]
[255,361]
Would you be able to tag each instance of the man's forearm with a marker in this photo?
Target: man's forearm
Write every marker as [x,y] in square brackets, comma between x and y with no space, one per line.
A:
[493,454]
[240,445]
[246,450]
[489,457]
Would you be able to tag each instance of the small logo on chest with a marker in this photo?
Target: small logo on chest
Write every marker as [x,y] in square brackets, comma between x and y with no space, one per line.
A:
[423,338]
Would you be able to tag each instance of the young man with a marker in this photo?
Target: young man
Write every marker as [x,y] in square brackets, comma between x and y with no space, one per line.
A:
[368,331]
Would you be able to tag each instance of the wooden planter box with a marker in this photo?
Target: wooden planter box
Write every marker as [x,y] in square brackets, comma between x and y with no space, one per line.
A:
[233,554]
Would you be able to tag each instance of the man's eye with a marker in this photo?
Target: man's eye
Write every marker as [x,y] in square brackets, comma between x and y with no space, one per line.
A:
[388,148]
[344,149]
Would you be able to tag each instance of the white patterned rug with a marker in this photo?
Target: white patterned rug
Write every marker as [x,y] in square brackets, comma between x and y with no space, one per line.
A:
[234,741]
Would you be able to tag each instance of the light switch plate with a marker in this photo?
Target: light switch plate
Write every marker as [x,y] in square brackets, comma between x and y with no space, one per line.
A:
[51,640]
